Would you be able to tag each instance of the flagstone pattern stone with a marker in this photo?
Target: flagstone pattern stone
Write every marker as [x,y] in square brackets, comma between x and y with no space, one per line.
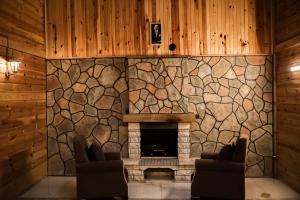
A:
[156,80]
[231,95]
[86,97]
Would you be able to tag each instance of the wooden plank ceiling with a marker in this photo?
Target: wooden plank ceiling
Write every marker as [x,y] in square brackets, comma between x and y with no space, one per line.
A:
[22,97]
[80,28]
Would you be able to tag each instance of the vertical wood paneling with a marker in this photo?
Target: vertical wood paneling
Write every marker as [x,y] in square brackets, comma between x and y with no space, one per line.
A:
[287,36]
[121,28]
[148,15]
[91,29]
[23,159]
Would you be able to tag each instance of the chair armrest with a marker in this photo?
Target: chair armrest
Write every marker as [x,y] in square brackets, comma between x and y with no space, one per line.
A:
[219,165]
[100,167]
[112,155]
[207,155]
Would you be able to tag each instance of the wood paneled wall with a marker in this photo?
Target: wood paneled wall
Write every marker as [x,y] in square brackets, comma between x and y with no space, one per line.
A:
[94,28]
[22,97]
[287,35]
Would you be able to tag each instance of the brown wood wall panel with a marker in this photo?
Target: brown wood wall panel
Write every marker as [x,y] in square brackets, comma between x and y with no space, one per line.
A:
[23,155]
[287,34]
[95,28]
[288,20]
[22,25]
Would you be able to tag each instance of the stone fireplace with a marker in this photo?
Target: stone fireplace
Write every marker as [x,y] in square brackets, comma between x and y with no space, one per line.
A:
[182,164]
[229,94]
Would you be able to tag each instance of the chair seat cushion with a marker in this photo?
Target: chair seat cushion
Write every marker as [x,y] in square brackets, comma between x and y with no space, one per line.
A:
[95,152]
[226,153]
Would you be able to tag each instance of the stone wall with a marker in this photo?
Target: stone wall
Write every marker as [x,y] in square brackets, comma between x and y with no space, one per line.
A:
[157,86]
[231,95]
[86,97]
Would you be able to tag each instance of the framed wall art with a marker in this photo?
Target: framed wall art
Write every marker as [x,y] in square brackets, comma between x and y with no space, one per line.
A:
[156,33]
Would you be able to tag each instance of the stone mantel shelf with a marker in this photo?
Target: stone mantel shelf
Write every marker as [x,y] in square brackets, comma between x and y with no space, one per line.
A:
[174,117]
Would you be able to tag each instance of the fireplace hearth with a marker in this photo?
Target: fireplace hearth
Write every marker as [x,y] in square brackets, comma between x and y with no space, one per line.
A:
[159,139]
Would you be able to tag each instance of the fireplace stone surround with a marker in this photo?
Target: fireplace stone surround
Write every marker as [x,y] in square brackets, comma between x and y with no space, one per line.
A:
[230,94]
[183,165]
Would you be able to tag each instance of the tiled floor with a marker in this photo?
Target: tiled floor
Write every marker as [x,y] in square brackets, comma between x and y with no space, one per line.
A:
[65,187]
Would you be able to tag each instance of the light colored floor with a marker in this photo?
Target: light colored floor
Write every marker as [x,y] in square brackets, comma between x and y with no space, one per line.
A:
[65,188]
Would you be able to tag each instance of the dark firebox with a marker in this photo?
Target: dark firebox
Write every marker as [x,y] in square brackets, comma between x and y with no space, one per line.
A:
[159,139]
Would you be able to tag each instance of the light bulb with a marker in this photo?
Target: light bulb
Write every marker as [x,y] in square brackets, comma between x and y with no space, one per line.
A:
[14,66]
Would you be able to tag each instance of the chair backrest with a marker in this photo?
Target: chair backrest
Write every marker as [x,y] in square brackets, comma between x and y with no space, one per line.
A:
[239,154]
[81,149]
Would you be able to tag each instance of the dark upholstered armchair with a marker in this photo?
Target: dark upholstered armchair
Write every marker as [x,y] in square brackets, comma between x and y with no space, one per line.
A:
[221,178]
[98,179]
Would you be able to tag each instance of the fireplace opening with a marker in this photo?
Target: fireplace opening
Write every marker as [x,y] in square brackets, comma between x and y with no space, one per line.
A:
[159,174]
[159,139]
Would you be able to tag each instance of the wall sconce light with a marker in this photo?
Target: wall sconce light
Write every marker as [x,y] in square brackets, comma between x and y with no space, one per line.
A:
[9,68]
[295,68]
